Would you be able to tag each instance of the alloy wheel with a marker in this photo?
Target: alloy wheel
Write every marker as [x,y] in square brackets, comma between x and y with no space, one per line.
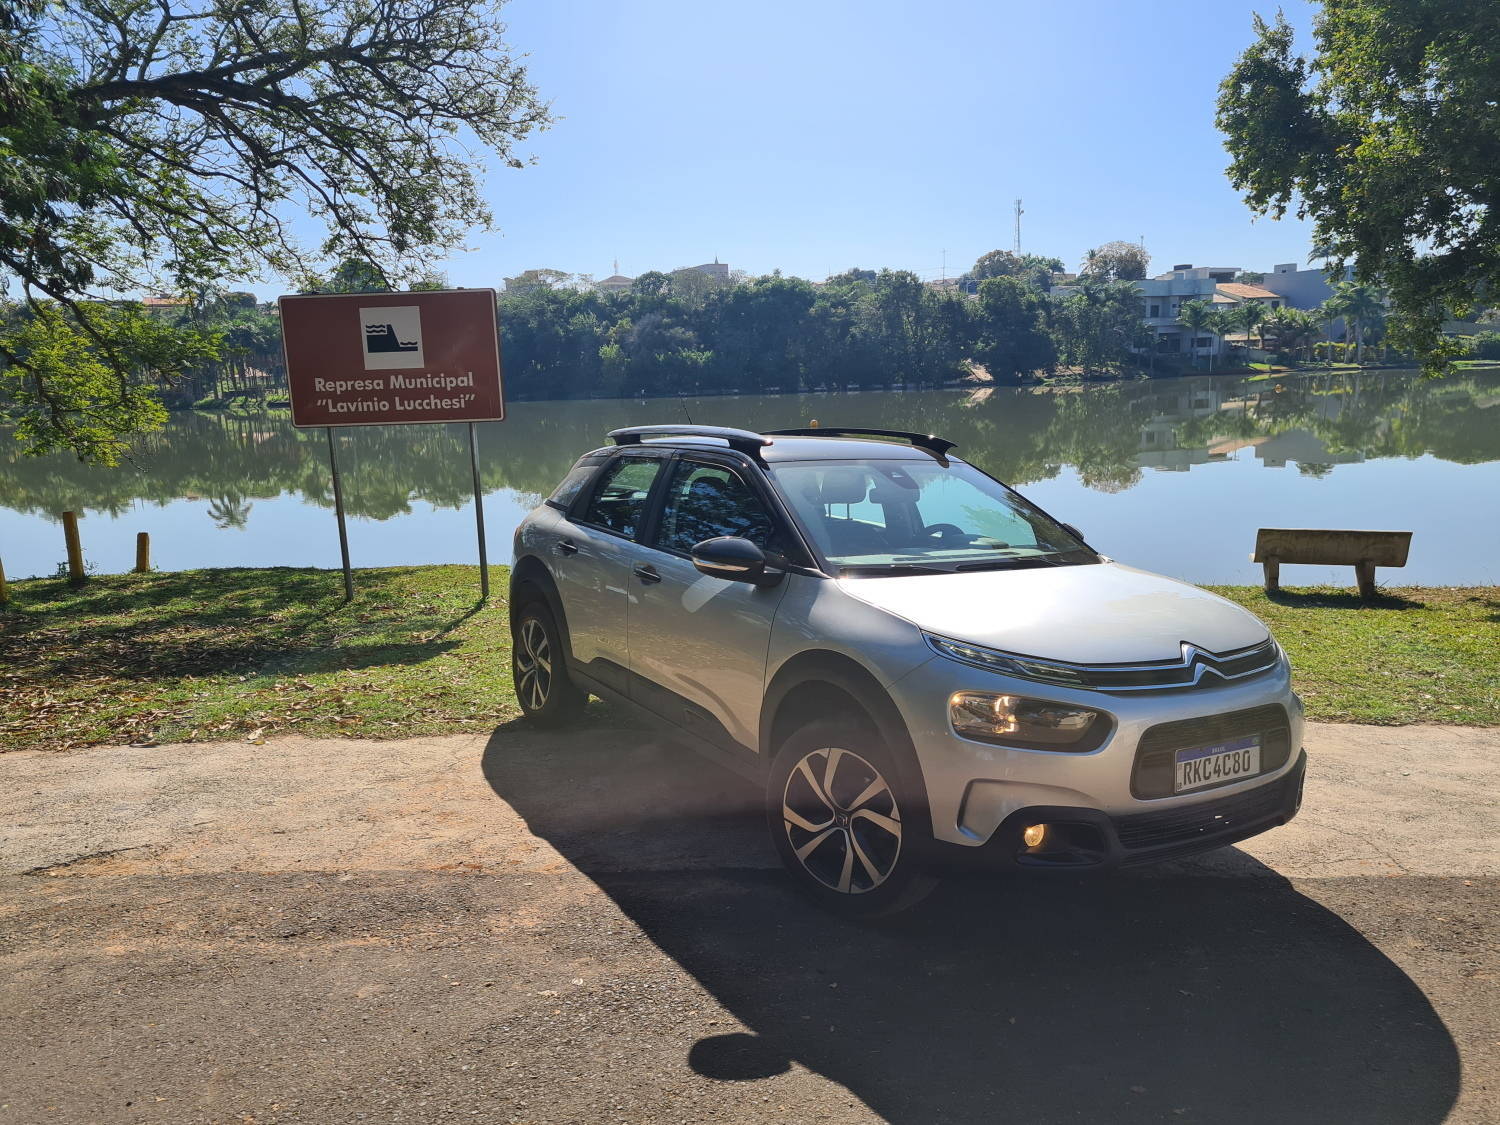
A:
[842,821]
[533,665]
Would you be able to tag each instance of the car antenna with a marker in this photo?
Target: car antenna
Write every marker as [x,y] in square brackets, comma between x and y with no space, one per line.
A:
[683,403]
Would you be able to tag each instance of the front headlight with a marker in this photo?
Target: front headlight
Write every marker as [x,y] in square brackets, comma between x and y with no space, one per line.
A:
[1008,664]
[1015,720]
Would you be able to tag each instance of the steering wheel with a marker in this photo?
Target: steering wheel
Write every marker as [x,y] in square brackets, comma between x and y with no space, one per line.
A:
[943,532]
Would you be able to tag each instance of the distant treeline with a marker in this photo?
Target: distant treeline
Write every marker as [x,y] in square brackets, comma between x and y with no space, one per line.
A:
[688,332]
[562,337]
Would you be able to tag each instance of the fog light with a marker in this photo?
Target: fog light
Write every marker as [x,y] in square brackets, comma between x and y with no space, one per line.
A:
[1033,835]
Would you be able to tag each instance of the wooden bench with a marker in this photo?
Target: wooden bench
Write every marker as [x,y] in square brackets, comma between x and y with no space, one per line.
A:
[1363,550]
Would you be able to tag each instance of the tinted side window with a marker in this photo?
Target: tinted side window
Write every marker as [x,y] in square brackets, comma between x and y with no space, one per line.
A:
[572,484]
[706,501]
[621,496]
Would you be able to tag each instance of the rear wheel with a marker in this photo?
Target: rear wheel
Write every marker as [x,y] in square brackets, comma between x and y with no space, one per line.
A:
[843,823]
[545,691]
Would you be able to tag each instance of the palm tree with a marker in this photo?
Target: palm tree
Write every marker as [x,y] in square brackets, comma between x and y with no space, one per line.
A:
[1328,312]
[1249,317]
[1298,329]
[1360,304]
[1195,316]
[1280,324]
[1366,304]
[1221,322]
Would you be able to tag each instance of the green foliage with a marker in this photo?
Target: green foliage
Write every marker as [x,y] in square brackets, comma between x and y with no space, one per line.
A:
[1097,326]
[1198,318]
[166,147]
[1013,339]
[1363,309]
[1486,345]
[1117,261]
[79,379]
[1388,138]
[1035,270]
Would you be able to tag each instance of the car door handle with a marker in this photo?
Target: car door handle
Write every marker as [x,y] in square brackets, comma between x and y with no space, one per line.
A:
[647,573]
[566,547]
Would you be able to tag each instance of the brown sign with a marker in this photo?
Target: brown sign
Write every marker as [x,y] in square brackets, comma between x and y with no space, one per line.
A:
[381,359]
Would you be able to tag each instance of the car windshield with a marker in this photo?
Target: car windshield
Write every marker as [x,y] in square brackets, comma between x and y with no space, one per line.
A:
[874,518]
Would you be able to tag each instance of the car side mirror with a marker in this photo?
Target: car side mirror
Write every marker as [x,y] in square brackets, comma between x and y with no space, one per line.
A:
[734,559]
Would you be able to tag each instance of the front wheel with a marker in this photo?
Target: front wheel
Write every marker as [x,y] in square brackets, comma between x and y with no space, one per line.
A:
[545,691]
[843,822]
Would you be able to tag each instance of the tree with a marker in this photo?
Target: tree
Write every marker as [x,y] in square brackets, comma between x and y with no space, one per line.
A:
[1387,138]
[652,283]
[1292,329]
[1197,317]
[1117,261]
[528,280]
[1221,322]
[1248,317]
[852,276]
[1359,305]
[1033,269]
[170,147]
[1013,340]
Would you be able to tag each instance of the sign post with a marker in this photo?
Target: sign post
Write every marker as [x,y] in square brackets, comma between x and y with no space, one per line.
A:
[338,511]
[484,558]
[389,359]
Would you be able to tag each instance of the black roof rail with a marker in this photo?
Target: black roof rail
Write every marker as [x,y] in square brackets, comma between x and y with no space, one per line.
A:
[930,442]
[742,440]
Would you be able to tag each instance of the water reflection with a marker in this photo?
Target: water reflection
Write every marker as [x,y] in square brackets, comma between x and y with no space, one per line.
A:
[241,474]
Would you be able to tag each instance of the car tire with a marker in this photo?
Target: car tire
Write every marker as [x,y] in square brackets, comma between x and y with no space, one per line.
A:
[539,669]
[845,822]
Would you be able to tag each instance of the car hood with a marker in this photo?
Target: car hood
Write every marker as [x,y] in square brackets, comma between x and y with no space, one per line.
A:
[1093,614]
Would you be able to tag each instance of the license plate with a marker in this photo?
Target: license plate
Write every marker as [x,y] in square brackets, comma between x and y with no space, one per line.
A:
[1213,765]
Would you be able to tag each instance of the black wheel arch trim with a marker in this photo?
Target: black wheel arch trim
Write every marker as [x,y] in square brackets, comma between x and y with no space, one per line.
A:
[853,679]
[531,571]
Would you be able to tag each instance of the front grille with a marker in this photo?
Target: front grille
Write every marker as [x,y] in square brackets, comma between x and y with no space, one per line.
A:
[1197,667]
[1155,755]
[1184,830]
[1194,667]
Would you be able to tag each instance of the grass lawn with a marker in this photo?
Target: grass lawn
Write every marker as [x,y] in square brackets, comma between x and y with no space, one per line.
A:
[1416,655]
[219,654]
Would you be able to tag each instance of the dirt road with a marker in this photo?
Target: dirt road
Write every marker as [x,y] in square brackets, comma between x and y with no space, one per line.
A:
[591,927]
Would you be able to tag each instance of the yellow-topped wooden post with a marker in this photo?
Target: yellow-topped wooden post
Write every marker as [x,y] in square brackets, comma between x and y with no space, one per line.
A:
[4,593]
[75,548]
[143,552]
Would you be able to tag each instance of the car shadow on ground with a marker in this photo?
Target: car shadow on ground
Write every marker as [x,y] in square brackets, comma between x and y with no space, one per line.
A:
[1205,994]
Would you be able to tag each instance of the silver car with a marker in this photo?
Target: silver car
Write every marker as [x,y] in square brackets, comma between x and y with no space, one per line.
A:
[920,666]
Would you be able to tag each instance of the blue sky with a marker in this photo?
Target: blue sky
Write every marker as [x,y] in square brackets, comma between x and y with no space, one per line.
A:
[816,135]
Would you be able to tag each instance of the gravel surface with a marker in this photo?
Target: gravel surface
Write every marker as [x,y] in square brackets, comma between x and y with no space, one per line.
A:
[590,927]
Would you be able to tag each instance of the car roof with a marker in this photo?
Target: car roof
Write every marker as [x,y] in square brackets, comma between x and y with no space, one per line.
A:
[788,447]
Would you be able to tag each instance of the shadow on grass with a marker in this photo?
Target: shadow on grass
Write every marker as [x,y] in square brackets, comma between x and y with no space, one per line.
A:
[1132,998]
[136,627]
[1333,599]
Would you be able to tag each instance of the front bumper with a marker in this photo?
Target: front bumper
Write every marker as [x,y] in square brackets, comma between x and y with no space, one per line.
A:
[1087,839]
[974,789]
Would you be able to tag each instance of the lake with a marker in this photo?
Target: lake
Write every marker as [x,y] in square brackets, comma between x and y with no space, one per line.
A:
[1173,475]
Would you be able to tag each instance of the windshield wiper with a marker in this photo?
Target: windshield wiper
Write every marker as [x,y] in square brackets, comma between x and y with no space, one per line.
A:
[882,569]
[1010,564]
